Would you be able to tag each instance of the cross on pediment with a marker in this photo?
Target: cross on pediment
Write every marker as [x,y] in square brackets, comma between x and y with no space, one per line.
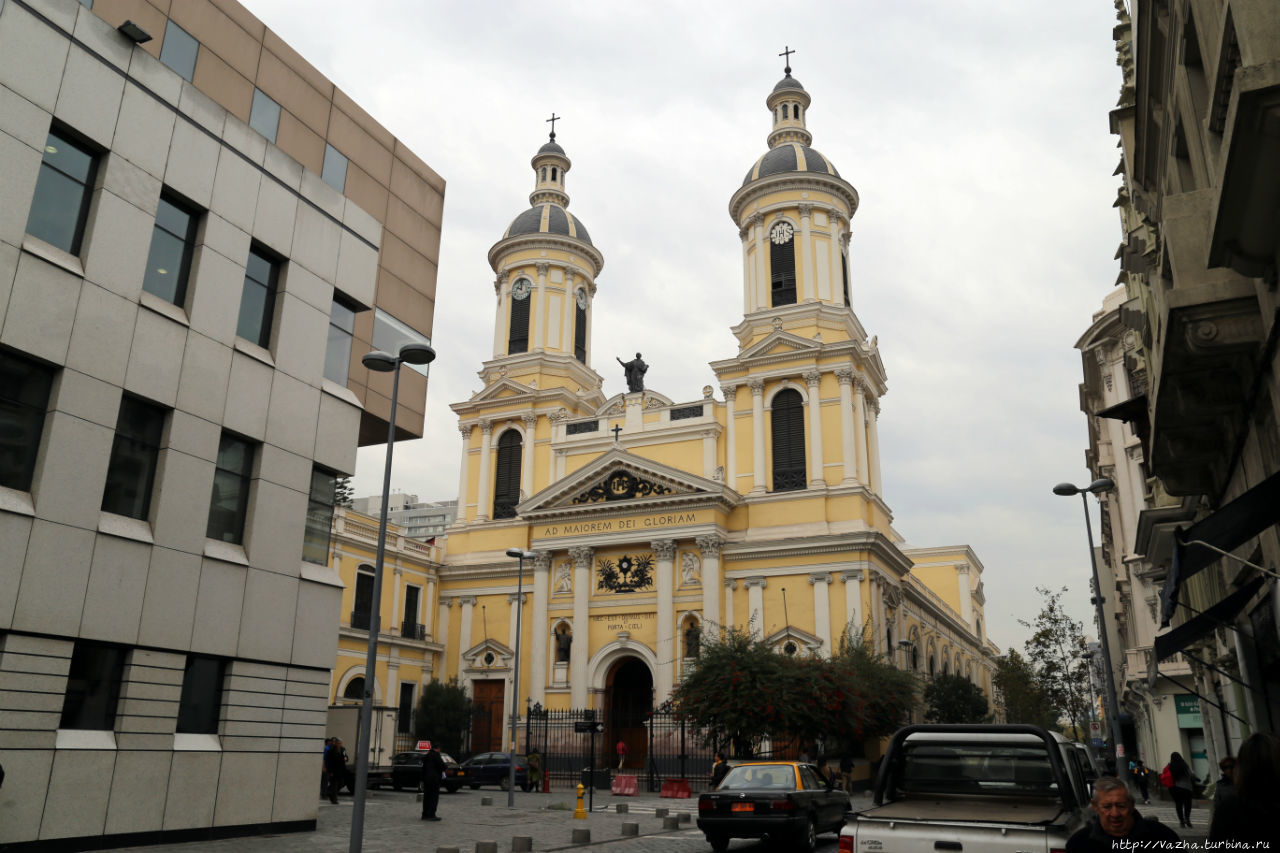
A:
[616,431]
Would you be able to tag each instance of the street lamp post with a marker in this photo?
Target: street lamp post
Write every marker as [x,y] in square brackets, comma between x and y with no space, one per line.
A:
[1102,484]
[521,555]
[382,362]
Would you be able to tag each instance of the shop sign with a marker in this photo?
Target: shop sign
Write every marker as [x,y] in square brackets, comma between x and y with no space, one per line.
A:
[1188,711]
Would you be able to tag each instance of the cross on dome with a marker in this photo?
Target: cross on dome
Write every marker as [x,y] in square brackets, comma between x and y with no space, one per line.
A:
[554,118]
[787,51]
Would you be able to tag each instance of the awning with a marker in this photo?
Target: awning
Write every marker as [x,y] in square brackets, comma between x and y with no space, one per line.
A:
[1167,645]
[1230,527]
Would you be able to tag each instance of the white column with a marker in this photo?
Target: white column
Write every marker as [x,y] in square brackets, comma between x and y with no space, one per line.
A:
[465,431]
[539,309]
[844,252]
[757,434]
[807,280]
[567,326]
[860,426]
[711,583]
[538,628]
[761,289]
[832,286]
[755,606]
[966,594]
[512,604]
[468,603]
[559,463]
[428,603]
[729,586]
[501,317]
[881,615]
[873,446]
[526,452]
[709,453]
[730,392]
[665,552]
[822,609]
[817,478]
[397,582]
[848,450]
[853,600]
[579,652]
[484,498]
[744,234]
[442,636]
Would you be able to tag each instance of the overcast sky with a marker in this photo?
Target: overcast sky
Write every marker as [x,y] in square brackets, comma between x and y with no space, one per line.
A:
[975,132]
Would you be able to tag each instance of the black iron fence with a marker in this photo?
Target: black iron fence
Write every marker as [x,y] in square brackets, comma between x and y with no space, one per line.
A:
[678,750]
[566,750]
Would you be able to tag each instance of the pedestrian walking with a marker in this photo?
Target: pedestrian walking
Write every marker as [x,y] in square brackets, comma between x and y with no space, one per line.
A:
[335,768]
[719,769]
[432,775]
[1248,811]
[534,762]
[846,771]
[1114,820]
[1224,786]
[1138,771]
[1181,782]
[824,772]
[622,752]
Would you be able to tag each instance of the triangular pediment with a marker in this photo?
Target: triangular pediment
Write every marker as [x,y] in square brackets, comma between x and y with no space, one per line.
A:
[794,642]
[620,479]
[488,654]
[779,342]
[502,388]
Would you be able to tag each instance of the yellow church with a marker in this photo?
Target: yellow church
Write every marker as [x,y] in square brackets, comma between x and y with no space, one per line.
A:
[657,522]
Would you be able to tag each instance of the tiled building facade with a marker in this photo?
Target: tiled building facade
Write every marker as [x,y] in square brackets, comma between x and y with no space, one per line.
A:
[199,238]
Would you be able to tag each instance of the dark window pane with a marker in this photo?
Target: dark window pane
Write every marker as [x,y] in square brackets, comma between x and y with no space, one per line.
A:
[782,271]
[389,334]
[201,703]
[258,268]
[315,540]
[506,487]
[343,317]
[362,606]
[61,201]
[173,218]
[230,499]
[788,441]
[405,715]
[264,115]
[165,267]
[134,454]
[93,687]
[580,334]
[337,353]
[334,171]
[179,50]
[257,300]
[518,338]
[24,397]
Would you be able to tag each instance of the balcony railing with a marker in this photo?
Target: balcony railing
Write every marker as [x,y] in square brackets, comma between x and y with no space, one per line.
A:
[413,631]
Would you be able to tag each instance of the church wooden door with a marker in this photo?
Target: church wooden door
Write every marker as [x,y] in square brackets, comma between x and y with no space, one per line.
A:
[487,708]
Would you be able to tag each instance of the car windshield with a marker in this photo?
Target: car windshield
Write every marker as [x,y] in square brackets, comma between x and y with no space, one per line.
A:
[756,776]
[968,768]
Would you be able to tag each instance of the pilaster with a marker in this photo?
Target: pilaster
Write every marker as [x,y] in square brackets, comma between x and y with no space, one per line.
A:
[484,500]
[582,556]
[757,434]
[665,551]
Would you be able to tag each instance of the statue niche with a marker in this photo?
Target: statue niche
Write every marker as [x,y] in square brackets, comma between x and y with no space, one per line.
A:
[564,643]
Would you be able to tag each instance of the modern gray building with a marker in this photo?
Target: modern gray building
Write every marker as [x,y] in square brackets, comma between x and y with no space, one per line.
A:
[200,235]
[420,519]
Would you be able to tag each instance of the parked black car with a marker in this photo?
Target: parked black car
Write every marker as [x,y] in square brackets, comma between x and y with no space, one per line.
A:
[406,771]
[492,768]
[785,801]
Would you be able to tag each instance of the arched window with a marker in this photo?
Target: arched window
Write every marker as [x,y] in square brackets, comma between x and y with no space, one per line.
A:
[506,484]
[782,264]
[580,328]
[354,689]
[518,338]
[553,173]
[915,659]
[933,663]
[788,441]
[544,173]
[844,277]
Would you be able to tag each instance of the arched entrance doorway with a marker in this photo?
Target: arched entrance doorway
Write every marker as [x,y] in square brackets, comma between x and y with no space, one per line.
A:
[629,699]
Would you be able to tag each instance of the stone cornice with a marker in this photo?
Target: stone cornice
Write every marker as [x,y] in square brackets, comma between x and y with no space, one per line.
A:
[788,181]
[871,540]
[571,245]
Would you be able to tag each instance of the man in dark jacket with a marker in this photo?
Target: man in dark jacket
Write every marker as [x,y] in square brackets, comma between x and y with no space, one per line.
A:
[1115,819]
[432,773]
[335,766]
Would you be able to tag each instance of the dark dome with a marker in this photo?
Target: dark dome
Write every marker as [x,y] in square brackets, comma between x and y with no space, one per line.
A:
[551,148]
[547,218]
[788,82]
[790,157]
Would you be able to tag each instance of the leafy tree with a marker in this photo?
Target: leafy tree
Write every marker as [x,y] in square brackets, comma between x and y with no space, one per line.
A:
[1024,699]
[1058,653]
[737,693]
[884,694]
[954,699]
[443,715]
[343,494]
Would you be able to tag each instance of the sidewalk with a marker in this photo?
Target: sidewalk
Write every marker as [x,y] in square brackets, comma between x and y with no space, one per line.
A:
[393,824]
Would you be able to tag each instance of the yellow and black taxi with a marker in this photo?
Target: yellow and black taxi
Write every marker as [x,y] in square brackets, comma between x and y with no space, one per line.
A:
[785,801]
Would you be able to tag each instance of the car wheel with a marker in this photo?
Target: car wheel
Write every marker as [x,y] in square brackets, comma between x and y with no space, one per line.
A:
[475,786]
[718,841]
[395,784]
[808,839]
[452,789]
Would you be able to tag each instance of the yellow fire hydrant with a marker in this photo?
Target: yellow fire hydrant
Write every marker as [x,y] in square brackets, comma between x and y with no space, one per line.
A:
[580,813]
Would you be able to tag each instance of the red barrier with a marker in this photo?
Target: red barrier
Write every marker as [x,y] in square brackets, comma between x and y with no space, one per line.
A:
[546,783]
[624,786]
[675,789]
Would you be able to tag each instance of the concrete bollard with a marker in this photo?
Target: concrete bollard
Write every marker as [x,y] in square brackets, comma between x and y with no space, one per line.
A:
[671,823]
[660,811]
[630,828]
[448,850]
[622,808]
[486,847]
[683,817]
[581,836]
[521,843]
[486,801]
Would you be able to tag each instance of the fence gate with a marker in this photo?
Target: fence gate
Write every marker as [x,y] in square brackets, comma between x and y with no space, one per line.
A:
[678,749]
[565,753]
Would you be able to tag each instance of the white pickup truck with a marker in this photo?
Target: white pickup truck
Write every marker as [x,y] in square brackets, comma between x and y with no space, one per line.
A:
[977,788]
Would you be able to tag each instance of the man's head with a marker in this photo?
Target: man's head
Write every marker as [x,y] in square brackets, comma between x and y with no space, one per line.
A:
[1227,766]
[1114,805]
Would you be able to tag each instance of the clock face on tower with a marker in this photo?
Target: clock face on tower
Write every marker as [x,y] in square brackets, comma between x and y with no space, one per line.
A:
[582,299]
[521,288]
[781,232]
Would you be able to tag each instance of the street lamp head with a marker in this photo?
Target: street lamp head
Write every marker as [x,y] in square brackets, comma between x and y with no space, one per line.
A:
[520,553]
[382,362]
[1102,484]
[417,353]
[1064,489]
